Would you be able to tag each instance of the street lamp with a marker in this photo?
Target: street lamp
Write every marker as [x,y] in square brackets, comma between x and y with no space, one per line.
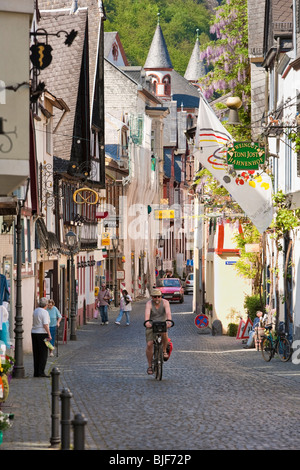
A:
[19,370]
[115,244]
[71,240]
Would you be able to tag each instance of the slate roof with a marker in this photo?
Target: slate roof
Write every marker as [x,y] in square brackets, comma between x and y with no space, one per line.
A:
[158,55]
[62,76]
[183,91]
[196,67]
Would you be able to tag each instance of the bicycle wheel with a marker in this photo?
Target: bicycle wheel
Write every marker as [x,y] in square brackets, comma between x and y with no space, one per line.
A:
[267,349]
[284,349]
[159,365]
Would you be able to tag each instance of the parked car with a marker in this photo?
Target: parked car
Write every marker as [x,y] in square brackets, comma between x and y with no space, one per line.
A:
[189,283]
[171,289]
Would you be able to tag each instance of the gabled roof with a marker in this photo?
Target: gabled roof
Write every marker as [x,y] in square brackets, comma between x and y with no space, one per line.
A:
[158,56]
[196,67]
[94,11]
[134,74]
[62,75]
[111,38]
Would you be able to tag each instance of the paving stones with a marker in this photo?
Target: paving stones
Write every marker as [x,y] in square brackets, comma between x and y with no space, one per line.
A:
[213,395]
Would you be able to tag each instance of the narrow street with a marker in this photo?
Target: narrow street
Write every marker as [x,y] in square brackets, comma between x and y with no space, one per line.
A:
[214,394]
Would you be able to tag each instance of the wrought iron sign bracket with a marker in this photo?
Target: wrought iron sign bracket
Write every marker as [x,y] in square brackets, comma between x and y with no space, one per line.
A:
[41,52]
[5,134]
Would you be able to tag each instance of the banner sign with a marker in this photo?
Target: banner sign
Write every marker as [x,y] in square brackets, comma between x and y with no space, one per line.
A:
[246,156]
[252,193]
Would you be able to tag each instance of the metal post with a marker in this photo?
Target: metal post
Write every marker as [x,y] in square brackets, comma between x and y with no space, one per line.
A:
[19,371]
[79,423]
[116,281]
[55,438]
[73,336]
[65,396]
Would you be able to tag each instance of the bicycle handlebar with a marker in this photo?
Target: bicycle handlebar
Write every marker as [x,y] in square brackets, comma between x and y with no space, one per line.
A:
[153,321]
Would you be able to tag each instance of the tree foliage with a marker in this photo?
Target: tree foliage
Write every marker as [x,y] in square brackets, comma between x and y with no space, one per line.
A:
[136,22]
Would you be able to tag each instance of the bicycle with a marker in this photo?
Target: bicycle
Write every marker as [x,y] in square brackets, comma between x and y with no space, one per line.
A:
[280,345]
[158,327]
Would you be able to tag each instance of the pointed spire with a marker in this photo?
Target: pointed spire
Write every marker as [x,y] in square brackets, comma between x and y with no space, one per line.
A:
[158,56]
[196,68]
[74,7]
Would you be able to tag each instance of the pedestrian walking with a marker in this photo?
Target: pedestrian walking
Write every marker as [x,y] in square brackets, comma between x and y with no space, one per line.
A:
[125,307]
[104,298]
[39,333]
[55,319]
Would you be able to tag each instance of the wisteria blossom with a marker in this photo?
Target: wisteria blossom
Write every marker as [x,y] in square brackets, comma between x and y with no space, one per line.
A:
[227,55]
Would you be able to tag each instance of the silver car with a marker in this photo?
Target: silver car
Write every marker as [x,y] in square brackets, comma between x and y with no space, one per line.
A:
[189,283]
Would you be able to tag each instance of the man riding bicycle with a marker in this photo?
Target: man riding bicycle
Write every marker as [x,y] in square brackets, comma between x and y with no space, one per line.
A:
[157,309]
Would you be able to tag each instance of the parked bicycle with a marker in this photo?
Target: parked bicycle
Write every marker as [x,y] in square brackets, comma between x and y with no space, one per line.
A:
[278,343]
[158,327]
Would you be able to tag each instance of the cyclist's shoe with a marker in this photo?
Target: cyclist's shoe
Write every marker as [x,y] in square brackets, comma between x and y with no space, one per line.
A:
[149,371]
[169,347]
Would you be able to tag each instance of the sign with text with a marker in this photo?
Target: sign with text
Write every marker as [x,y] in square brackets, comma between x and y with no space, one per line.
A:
[245,155]
[105,238]
[164,214]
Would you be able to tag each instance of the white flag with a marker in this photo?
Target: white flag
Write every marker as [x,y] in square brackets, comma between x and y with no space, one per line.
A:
[254,196]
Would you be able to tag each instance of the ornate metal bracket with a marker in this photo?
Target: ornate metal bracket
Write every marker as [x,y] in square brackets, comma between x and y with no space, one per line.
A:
[69,36]
[5,134]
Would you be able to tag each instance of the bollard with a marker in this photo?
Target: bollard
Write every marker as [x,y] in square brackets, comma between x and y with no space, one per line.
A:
[55,438]
[79,423]
[65,396]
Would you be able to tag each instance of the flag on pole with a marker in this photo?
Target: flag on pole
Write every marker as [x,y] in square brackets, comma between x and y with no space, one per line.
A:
[253,194]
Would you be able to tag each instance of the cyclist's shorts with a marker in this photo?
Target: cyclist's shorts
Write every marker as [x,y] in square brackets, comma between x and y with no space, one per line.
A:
[150,336]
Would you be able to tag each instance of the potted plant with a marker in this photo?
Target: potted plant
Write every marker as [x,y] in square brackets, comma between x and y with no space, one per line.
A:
[7,366]
[5,423]
[5,377]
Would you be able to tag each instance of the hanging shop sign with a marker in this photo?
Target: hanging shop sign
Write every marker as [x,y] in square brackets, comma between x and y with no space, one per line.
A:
[41,52]
[85,196]
[41,55]
[164,214]
[105,238]
[246,155]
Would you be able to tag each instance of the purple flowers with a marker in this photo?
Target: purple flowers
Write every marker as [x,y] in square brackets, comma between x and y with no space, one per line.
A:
[228,54]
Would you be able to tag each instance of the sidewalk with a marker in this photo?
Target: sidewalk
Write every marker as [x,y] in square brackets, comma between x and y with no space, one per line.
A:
[30,398]
[30,401]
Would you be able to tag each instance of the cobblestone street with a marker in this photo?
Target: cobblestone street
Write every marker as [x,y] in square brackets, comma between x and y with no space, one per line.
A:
[214,394]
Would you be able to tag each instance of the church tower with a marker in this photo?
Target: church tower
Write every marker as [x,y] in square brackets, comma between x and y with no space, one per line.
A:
[196,68]
[158,65]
